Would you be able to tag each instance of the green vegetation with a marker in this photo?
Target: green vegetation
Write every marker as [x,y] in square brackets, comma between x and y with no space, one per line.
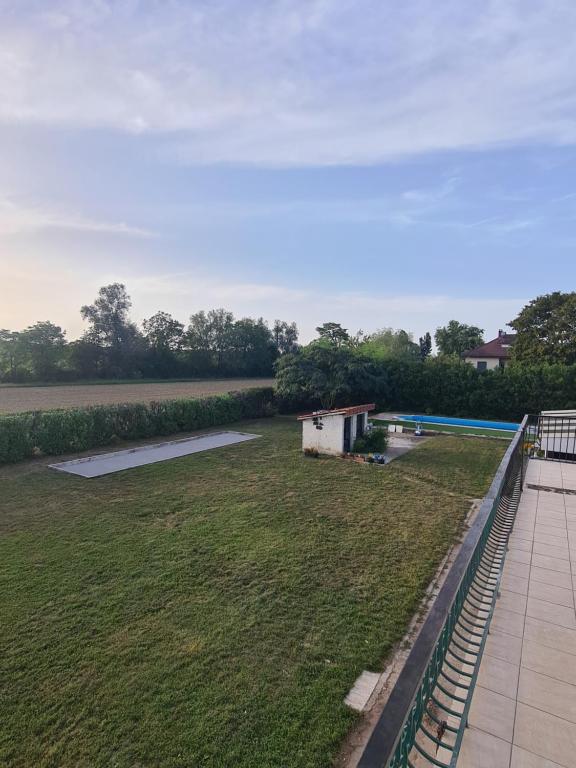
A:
[214,344]
[214,610]
[56,432]
[546,329]
[374,441]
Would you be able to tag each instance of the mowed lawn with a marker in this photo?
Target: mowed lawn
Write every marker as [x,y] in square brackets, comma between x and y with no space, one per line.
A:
[214,610]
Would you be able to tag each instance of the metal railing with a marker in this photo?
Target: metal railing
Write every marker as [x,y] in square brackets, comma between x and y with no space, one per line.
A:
[424,719]
[551,436]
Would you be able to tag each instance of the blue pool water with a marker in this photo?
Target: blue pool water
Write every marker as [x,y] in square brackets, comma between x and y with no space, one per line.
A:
[461,422]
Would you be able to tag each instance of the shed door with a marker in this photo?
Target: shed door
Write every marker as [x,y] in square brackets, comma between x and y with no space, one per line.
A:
[360,425]
[347,431]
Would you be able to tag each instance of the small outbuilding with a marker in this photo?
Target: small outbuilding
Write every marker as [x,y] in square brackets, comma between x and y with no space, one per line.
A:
[334,431]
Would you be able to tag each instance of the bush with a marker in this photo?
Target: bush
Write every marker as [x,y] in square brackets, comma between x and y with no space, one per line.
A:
[374,441]
[16,443]
[56,432]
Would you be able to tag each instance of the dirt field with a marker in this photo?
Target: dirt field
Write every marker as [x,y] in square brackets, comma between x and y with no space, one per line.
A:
[16,399]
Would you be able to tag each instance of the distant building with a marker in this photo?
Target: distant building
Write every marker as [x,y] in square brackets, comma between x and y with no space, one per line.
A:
[493,354]
[334,431]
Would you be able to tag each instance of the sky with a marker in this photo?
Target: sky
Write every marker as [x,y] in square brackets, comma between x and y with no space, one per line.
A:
[368,162]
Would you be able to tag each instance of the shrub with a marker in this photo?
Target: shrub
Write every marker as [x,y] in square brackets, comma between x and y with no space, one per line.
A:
[68,431]
[16,443]
[374,441]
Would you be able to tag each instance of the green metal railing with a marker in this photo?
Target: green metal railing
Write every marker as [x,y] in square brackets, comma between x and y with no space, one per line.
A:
[427,711]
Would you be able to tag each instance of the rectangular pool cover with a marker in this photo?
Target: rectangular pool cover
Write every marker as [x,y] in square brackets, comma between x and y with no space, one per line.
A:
[107,463]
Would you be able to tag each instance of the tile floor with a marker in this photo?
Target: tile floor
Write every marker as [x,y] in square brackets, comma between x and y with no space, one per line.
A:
[523,712]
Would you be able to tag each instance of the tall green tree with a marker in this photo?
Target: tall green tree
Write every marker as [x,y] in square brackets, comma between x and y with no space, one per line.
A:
[425,344]
[546,330]
[43,344]
[11,355]
[457,338]
[163,332]
[388,343]
[285,336]
[327,375]
[112,330]
[333,334]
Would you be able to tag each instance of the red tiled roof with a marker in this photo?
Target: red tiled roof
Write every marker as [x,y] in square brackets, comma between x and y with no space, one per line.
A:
[498,347]
[351,411]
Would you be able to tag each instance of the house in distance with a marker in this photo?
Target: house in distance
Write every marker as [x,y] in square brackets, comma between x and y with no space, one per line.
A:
[493,354]
[334,431]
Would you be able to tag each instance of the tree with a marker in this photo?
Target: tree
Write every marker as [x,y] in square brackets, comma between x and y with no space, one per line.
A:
[252,349]
[390,344]
[546,330]
[11,355]
[112,330]
[325,374]
[456,338]
[425,343]
[43,345]
[163,332]
[285,337]
[333,334]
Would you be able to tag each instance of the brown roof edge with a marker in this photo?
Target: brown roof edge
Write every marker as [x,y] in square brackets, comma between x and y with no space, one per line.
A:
[351,411]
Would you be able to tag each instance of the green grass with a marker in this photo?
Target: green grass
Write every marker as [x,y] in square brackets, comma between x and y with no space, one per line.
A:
[214,610]
[448,428]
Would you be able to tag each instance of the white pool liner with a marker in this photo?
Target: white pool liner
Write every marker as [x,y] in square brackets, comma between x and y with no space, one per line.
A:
[107,463]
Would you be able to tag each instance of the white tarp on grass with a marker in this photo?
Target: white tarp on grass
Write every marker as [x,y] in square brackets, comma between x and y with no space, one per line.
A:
[106,463]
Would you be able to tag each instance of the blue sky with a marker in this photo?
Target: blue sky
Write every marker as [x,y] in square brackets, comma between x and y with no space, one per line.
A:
[361,161]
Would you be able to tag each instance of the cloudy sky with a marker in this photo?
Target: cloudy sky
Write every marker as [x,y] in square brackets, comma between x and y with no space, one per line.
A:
[370,162]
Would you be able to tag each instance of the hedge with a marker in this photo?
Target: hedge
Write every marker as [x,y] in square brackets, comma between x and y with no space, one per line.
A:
[69,431]
[445,387]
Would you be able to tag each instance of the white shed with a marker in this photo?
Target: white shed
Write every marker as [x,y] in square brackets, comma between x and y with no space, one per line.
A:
[334,431]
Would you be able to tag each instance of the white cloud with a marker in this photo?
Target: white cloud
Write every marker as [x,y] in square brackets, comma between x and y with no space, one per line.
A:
[16,219]
[287,83]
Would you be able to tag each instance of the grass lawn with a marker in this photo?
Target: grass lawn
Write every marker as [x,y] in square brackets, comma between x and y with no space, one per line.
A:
[214,610]
[448,428]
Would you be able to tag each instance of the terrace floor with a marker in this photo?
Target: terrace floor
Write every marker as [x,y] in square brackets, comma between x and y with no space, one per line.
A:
[523,712]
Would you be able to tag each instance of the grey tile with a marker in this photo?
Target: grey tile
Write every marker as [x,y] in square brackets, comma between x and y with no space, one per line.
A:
[546,538]
[523,759]
[552,563]
[508,621]
[498,676]
[516,569]
[504,646]
[549,661]
[545,735]
[518,555]
[493,713]
[516,544]
[514,584]
[553,614]
[482,750]
[561,553]
[551,594]
[555,578]
[547,694]
[511,601]
[550,635]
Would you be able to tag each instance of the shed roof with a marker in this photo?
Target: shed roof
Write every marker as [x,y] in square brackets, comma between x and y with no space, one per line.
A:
[351,411]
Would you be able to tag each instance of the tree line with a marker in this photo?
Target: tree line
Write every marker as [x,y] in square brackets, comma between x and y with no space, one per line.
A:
[390,368]
[214,343]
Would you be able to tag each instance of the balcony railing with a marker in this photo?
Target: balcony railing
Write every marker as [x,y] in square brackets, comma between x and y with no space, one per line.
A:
[424,719]
[552,436]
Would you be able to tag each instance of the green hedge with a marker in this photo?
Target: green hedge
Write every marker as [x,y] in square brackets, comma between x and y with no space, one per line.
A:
[70,431]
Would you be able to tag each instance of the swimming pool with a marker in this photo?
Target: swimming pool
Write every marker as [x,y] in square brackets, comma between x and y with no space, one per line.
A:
[477,424]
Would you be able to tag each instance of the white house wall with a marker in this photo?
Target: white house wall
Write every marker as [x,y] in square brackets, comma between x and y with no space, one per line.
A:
[329,439]
[491,362]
